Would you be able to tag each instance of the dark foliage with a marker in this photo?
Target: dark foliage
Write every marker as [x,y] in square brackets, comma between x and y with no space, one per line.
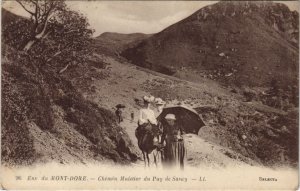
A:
[32,84]
[268,137]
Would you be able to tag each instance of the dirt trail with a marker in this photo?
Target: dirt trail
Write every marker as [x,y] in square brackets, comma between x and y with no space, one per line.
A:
[205,154]
[130,127]
[126,82]
[200,152]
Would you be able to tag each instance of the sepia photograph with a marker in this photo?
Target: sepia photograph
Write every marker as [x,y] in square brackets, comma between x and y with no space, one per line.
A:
[160,95]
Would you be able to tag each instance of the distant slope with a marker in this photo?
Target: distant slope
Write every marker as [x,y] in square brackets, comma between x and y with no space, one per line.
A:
[114,43]
[241,43]
[8,17]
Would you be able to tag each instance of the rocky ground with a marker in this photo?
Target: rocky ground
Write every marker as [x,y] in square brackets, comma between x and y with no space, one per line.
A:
[236,131]
[45,119]
[80,125]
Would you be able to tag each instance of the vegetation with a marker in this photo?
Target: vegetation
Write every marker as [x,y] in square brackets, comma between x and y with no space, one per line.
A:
[233,42]
[35,53]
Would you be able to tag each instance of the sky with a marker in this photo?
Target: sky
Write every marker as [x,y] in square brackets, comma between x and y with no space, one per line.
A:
[134,16]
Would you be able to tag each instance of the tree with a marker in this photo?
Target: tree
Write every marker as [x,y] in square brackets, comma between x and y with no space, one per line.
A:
[69,39]
[53,34]
[41,12]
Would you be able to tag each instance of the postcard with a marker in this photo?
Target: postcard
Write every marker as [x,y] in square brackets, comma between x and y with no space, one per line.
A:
[159,95]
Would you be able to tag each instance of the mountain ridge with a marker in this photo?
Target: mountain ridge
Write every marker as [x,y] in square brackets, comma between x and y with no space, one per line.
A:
[225,41]
[113,43]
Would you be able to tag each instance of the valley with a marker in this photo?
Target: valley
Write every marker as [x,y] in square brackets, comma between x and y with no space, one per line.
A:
[235,63]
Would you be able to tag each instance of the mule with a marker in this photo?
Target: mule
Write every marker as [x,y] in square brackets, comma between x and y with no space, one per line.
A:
[145,135]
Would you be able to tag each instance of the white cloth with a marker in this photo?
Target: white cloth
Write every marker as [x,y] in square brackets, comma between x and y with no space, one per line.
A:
[147,115]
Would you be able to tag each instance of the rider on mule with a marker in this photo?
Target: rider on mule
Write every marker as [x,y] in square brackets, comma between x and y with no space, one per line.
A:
[146,117]
[147,131]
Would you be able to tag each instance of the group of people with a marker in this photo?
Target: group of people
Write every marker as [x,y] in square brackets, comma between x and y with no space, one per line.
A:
[167,134]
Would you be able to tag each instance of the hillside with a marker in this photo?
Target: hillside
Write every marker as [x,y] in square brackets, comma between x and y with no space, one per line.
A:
[114,43]
[235,43]
[45,118]
[247,132]
[68,117]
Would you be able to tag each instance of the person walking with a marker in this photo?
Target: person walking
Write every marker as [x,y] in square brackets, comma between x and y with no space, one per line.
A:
[132,117]
[119,114]
[160,104]
[174,150]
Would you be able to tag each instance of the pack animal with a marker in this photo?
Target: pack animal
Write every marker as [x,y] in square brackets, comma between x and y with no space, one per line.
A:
[145,135]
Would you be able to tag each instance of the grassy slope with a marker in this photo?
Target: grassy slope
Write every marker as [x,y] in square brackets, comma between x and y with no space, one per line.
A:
[114,43]
[257,52]
[33,96]
[227,116]
[38,102]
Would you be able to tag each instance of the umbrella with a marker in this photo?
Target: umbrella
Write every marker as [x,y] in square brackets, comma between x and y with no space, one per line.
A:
[120,106]
[186,117]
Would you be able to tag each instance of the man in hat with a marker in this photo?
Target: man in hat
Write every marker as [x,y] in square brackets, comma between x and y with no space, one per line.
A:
[132,116]
[174,151]
[119,114]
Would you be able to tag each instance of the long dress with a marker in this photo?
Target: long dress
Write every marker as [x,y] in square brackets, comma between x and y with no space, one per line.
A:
[146,123]
[174,151]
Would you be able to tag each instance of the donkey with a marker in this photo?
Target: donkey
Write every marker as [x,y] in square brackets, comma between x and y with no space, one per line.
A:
[145,135]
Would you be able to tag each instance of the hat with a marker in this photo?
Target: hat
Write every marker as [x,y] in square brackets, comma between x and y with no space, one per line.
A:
[170,116]
[159,101]
[146,99]
[151,98]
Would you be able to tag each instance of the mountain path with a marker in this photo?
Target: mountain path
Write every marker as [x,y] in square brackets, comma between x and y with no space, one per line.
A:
[124,84]
[199,151]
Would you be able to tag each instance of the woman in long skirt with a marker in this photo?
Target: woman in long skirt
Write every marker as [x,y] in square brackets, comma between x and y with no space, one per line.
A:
[174,151]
